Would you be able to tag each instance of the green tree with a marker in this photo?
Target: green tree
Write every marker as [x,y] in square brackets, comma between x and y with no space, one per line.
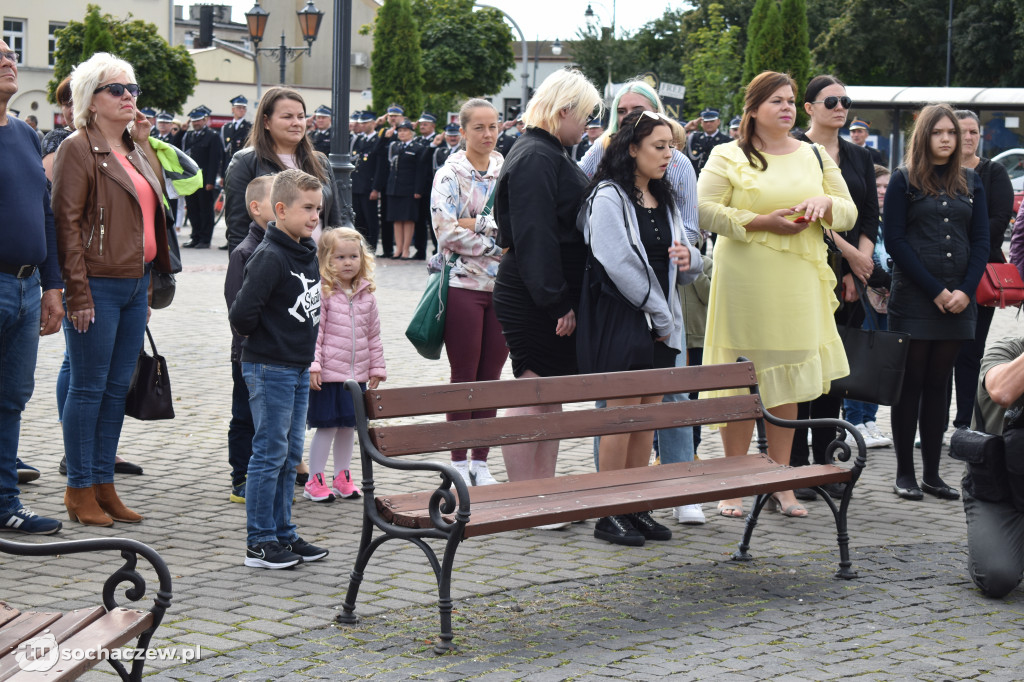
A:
[600,56]
[396,69]
[465,53]
[96,37]
[166,74]
[758,17]
[797,52]
[712,72]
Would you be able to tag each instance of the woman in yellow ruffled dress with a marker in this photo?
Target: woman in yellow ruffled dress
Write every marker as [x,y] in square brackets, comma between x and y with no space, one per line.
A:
[767,195]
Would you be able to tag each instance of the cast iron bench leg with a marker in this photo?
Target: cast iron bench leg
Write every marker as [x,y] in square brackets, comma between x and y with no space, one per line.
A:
[845,571]
[367,546]
[741,553]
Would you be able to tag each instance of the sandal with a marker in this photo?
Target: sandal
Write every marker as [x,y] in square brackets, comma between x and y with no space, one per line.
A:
[731,511]
[792,511]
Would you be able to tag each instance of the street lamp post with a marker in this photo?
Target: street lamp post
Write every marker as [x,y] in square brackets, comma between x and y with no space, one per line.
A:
[556,49]
[340,157]
[526,54]
[256,19]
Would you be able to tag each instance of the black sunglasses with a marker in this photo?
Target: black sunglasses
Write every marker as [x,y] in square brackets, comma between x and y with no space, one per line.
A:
[117,89]
[831,102]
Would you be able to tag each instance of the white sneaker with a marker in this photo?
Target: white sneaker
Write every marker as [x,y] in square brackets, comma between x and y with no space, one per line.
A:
[690,514]
[463,469]
[869,440]
[480,474]
[881,440]
[553,526]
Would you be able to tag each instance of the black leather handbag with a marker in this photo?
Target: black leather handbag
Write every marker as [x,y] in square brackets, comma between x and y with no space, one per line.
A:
[877,360]
[149,392]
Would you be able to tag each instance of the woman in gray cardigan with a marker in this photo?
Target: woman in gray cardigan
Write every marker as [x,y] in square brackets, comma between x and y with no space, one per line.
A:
[635,233]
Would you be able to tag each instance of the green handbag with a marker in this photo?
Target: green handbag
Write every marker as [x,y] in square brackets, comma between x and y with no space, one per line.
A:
[426,329]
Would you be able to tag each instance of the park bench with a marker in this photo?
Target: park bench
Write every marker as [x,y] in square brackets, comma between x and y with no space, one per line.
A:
[52,645]
[453,513]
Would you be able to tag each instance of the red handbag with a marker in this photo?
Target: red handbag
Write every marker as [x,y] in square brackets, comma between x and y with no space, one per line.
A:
[1000,286]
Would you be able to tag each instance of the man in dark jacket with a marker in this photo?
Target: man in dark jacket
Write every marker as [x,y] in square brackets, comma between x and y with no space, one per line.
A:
[206,149]
[321,136]
[700,143]
[235,135]
[28,266]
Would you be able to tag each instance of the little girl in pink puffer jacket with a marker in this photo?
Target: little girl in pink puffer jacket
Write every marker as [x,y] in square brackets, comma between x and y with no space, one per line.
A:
[348,346]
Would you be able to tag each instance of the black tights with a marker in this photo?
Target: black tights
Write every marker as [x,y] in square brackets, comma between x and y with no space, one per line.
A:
[923,397]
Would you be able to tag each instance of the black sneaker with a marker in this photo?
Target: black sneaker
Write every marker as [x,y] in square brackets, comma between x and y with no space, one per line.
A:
[649,528]
[305,550]
[618,530]
[270,555]
[24,520]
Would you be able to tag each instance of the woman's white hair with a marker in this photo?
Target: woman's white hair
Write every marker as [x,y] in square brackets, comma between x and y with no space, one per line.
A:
[88,75]
[565,89]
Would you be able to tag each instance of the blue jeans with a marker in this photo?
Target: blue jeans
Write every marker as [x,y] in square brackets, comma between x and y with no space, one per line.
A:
[855,411]
[278,397]
[102,362]
[19,343]
[673,445]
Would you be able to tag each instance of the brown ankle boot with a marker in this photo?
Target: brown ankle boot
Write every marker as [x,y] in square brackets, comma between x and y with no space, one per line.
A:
[82,507]
[109,502]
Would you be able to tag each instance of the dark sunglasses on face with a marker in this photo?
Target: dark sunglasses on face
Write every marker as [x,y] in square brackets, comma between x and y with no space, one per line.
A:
[831,102]
[117,89]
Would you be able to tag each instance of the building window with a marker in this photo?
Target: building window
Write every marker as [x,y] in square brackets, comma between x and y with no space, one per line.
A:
[14,36]
[51,43]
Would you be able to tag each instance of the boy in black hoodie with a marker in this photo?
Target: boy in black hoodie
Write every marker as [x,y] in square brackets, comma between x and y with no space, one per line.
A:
[277,310]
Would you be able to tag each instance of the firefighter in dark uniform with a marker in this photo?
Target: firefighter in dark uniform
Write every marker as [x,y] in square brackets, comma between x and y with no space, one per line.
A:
[206,149]
[321,136]
[595,128]
[428,140]
[150,114]
[509,136]
[700,143]
[859,131]
[235,134]
[734,128]
[385,136]
[403,193]
[441,154]
[365,200]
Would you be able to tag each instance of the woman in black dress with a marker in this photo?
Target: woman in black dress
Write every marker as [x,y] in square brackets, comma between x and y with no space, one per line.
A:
[936,230]
[538,284]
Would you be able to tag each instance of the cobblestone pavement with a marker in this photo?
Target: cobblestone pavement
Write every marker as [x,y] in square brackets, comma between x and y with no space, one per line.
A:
[538,605]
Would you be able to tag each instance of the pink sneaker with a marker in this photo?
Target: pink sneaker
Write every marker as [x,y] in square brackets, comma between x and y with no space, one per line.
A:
[316,490]
[344,486]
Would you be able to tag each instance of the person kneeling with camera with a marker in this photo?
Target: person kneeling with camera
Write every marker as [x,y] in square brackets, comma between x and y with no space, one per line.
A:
[993,483]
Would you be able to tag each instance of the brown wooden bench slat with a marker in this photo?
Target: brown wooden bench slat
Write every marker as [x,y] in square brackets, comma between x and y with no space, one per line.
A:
[496,516]
[394,441]
[7,613]
[24,627]
[464,397]
[69,623]
[112,630]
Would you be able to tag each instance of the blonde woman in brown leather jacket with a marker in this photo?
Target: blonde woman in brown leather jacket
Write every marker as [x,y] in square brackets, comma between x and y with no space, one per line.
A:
[110,234]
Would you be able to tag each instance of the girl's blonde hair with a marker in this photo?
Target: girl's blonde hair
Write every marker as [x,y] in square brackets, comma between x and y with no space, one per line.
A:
[564,89]
[328,277]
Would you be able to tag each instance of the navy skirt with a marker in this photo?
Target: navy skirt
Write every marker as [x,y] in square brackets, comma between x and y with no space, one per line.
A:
[331,407]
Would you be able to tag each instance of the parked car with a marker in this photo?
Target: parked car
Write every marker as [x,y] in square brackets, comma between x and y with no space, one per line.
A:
[1013,161]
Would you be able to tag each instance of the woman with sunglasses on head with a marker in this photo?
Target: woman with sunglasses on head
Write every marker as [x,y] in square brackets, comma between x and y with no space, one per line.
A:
[537,288]
[999,197]
[937,232]
[635,234]
[769,196]
[673,445]
[110,234]
[827,105]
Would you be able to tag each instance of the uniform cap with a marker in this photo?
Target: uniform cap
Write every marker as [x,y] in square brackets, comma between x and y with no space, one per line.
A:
[451,129]
[148,112]
[404,124]
[735,123]
[199,112]
[164,117]
[355,116]
[367,116]
[709,115]
[240,101]
[322,110]
[860,124]
[427,117]
[595,122]
[395,109]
